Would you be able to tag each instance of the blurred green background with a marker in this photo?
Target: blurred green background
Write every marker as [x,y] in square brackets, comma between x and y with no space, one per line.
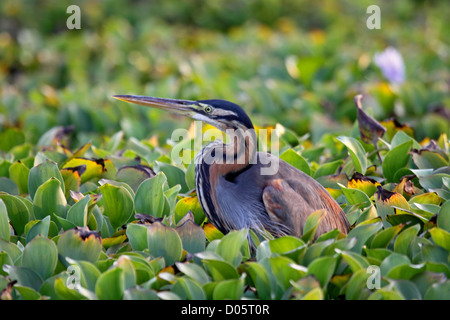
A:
[295,62]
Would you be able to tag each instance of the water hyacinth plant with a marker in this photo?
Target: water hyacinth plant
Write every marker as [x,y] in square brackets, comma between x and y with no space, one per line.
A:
[107,240]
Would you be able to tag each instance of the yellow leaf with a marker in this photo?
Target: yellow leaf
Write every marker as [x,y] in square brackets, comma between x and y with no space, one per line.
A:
[211,232]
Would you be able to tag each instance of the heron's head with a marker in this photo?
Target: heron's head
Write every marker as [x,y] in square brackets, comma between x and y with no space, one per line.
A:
[218,113]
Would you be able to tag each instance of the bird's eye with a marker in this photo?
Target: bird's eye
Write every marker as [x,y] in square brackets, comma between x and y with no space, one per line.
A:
[208,109]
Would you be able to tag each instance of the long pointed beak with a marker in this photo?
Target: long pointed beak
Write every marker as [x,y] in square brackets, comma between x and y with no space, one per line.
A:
[181,107]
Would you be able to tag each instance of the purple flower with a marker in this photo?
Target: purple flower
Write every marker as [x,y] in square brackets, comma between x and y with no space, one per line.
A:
[391,63]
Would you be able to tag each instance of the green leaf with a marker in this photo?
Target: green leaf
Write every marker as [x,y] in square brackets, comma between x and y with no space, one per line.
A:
[409,219]
[230,246]
[438,291]
[187,204]
[357,153]
[404,240]
[49,199]
[328,168]
[27,293]
[378,253]
[405,271]
[41,256]
[5,259]
[194,271]
[24,276]
[114,141]
[41,173]
[355,261]
[4,167]
[438,267]
[137,236]
[114,183]
[66,293]
[432,181]
[309,67]
[110,285]
[383,238]
[164,241]
[18,173]
[143,268]
[333,234]
[323,269]
[284,272]
[396,159]
[426,204]
[425,280]
[78,214]
[289,246]
[220,270]
[434,253]
[18,212]
[4,222]
[362,233]
[314,294]
[63,223]
[80,244]
[134,175]
[426,198]
[171,196]
[356,197]
[84,271]
[9,186]
[129,273]
[188,289]
[285,244]
[168,295]
[192,236]
[174,176]
[386,294]
[426,159]
[11,137]
[393,260]
[117,203]
[312,223]
[407,289]
[443,218]
[356,288]
[401,137]
[316,249]
[150,196]
[306,289]
[296,160]
[190,176]
[261,280]
[13,251]
[231,289]
[42,228]
[139,293]
[441,238]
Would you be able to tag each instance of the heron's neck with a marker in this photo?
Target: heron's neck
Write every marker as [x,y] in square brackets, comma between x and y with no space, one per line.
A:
[231,157]
[241,150]
[236,155]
